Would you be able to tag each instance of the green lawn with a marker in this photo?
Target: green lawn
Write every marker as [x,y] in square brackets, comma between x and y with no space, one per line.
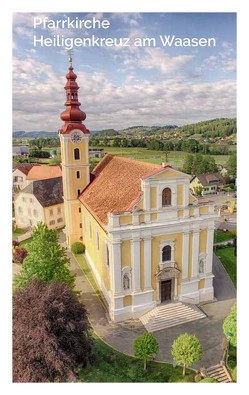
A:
[220,236]
[111,366]
[228,260]
[80,258]
[17,232]
[176,158]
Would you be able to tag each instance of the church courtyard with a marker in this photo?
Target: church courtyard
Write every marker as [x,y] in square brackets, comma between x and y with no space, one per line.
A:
[121,336]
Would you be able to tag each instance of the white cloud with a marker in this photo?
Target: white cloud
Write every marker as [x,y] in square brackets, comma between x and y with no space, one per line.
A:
[156,58]
[39,99]
[128,18]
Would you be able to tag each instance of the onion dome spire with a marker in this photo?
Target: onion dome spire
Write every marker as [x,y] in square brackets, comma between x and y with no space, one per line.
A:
[73,114]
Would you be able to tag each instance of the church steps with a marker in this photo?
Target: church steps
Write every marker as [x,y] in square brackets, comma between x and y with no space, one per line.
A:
[219,372]
[168,315]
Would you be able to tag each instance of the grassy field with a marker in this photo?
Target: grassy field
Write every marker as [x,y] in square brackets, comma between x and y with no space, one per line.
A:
[228,259]
[111,366]
[157,157]
[220,236]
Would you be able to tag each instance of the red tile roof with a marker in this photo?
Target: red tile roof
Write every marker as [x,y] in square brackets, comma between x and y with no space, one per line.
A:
[23,167]
[117,186]
[44,172]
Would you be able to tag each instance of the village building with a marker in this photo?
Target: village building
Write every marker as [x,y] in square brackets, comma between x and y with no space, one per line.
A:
[96,153]
[20,151]
[19,176]
[40,201]
[147,239]
[208,183]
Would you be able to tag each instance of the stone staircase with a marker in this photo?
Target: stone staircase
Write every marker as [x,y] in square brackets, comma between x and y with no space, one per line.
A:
[219,372]
[168,315]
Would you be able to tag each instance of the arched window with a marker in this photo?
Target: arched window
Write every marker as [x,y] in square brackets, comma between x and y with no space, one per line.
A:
[166,253]
[76,153]
[166,197]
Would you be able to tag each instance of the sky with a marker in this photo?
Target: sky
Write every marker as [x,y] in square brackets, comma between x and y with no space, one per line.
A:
[126,86]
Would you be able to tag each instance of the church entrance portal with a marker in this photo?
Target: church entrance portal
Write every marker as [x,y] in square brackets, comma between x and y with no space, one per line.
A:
[165,290]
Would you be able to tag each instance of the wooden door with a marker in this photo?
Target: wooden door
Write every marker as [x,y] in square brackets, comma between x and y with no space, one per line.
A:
[165,290]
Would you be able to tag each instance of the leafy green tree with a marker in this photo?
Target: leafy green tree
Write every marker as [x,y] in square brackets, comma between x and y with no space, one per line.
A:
[232,165]
[186,350]
[198,190]
[116,142]
[188,164]
[230,326]
[145,347]
[46,260]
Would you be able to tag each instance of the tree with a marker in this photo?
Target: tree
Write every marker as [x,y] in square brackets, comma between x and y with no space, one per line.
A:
[230,326]
[145,347]
[188,164]
[46,260]
[51,336]
[198,190]
[186,350]
[232,166]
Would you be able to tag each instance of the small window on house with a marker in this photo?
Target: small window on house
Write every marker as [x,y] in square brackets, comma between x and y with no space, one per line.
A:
[78,192]
[81,238]
[77,174]
[60,219]
[31,200]
[35,213]
[80,225]
[19,210]
[24,199]
[166,253]
[79,209]
[107,255]
[52,222]
[50,212]
[58,210]
[76,153]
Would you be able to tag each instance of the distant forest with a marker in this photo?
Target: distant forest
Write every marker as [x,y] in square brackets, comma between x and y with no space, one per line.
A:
[220,127]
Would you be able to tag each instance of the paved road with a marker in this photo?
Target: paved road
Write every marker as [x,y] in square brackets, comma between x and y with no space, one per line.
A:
[121,336]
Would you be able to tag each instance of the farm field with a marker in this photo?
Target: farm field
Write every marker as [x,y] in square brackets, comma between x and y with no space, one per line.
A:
[176,158]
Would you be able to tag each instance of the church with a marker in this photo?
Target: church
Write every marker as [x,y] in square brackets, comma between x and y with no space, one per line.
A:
[147,239]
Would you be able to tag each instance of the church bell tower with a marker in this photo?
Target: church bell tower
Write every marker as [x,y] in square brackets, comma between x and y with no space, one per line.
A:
[74,139]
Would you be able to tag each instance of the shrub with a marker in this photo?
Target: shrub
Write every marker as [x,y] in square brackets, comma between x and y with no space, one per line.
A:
[209,380]
[77,248]
[136,373]
[198,378]
[234,374]
[231,364]
[15,243]
[19,254]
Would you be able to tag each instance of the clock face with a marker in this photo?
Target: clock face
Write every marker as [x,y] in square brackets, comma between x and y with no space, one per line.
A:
[76,137]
